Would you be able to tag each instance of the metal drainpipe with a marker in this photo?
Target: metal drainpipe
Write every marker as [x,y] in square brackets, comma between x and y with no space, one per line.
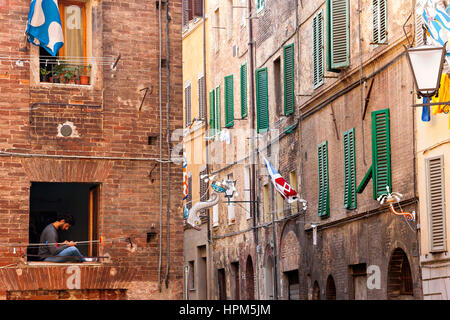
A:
[252,138]
[160,149]
[168,140]
[206,130]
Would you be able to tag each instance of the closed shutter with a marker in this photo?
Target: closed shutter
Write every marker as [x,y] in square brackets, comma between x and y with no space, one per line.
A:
[187,105]
[318,69]
[203,189]
[212,113]
[340,34]
[244,99]
[189,197]
[324,193]
[262,100]
[289,94]
[185,9]
[201,98]
[350,170]
[381,152]
[217,112]
[379,28]
[418,38]
[198,8]
[229,102]
[436,203]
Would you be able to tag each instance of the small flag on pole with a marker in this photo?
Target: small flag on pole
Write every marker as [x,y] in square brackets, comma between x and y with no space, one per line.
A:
[281,185]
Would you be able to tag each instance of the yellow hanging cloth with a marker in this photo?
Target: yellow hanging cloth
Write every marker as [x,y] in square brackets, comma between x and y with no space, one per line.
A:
[444,95]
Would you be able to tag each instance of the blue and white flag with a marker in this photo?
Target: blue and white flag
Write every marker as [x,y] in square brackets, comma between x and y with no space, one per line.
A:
[44,25]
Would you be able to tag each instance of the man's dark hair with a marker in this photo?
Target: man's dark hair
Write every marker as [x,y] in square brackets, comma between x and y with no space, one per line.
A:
[67,217]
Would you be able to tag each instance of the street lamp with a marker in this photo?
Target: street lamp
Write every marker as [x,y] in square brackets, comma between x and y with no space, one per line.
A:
[426,63]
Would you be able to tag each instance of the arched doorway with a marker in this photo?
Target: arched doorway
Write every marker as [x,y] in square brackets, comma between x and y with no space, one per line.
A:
[400,284]
[316,291]
[331,288]
[268,278]
[250,279]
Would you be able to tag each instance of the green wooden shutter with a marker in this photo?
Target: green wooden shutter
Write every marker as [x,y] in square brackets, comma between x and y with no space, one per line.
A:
[212,113]
[229,102]
[318,69]
[381,152]
[218,111]
[324,192]
[289,94]
[338,20]
[350,170]
[244,106]
[379,27]
[262,100]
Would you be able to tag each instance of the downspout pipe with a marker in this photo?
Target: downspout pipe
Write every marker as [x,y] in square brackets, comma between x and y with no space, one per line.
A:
[252,129]
[160,148]
[169,152]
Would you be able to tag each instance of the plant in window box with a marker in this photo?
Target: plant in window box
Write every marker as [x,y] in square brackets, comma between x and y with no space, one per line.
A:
[85,75]
[69,75]
[45,75]
[56,73]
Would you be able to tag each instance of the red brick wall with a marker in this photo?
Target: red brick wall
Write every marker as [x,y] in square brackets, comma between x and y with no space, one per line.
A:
[67,295]
[109,125]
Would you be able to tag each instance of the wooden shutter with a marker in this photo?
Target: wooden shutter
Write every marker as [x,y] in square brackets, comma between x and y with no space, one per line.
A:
[187,105]
[229,102]
[201,98]
[340,34]
[218,120]
[324,192]
[350,170]
[436,203]
[212,113]
[318,69]
[381,152]
[418,37]
[379,28]
[189,197]
[198,8]
[203,189]
[244,99]
[262,100]
[289,94]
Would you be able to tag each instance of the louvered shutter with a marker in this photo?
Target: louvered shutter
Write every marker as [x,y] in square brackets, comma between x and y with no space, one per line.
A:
[198,8]
[262,100]
[436,203]
[381,152]
[203,189]
[379,28]
[244,99]
[189,197]
[218,120]
[201,98]
[289,94]
[350,170]
[229,102]
[324,193]
[318,69]
[340,34]
[212,113]
[187,104]
[185,9]
[419,22]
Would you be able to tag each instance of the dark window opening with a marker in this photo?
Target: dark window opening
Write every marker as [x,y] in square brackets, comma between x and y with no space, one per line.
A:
[81,200]
[293,285]
[222,284]
[331,289]
[277,84]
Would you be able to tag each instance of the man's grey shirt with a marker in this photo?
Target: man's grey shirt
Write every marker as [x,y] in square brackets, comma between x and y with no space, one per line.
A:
[50,235]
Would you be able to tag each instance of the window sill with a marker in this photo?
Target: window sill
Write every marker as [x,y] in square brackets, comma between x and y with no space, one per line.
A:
[65,85]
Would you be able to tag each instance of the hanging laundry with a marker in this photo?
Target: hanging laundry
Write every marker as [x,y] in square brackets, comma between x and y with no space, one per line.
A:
[426,111]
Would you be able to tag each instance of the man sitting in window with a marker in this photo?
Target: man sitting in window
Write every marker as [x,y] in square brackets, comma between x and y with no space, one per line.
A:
[52,251]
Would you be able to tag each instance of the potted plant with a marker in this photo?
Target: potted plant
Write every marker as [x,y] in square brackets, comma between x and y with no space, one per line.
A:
[85,75]
[69,76]
[56,73]
[45,75]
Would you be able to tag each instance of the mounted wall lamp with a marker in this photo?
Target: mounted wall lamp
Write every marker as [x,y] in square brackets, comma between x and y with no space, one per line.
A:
[426,63]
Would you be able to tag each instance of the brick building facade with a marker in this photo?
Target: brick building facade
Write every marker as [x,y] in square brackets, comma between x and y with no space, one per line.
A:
[107,141]
[346,245]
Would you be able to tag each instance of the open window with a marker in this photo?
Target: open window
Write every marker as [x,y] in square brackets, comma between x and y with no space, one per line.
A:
[71,65]
[81,200]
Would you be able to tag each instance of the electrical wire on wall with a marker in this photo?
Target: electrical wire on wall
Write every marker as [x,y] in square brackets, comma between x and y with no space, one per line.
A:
[160,146]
